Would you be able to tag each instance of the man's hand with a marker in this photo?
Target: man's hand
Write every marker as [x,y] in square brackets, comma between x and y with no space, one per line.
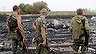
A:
[44,44]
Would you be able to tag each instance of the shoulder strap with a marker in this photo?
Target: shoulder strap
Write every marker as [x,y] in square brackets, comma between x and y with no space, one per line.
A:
[83,22]
[14,15]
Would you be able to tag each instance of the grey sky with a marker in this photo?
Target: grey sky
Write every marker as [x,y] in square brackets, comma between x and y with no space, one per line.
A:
[54,5]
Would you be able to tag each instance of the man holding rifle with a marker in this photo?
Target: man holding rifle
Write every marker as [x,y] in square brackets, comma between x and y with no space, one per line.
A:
[80,32]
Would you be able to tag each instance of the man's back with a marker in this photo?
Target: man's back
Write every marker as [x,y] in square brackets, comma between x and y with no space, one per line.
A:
[12,22]
[76,26]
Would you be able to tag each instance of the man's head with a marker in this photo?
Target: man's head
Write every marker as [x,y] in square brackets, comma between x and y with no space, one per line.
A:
[16,9]
[44,12]
[79,11]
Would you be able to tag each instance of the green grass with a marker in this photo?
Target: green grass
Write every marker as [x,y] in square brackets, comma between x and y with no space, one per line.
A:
[54,13]
[7,13]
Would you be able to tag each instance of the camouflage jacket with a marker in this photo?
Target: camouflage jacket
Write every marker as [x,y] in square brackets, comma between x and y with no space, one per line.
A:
[39,23]
[76,26]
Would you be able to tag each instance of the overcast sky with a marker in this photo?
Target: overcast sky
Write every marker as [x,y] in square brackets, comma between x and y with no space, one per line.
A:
[54,5]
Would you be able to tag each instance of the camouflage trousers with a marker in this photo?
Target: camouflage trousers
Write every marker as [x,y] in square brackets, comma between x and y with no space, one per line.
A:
[76,46]
[16,43]
[43,51]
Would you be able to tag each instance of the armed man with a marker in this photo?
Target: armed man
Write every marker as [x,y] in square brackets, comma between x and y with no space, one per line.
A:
[78,23]
[15,29]
[40,27]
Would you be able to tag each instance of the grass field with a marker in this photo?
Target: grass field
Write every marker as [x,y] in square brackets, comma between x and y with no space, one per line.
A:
[52,13]
[7,13]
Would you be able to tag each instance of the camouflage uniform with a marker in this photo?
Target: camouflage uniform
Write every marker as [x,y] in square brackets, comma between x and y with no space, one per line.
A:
[16,40]
[75,27]
[40,23]
[16,43]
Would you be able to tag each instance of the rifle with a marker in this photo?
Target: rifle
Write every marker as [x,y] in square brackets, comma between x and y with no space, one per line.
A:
[85,34]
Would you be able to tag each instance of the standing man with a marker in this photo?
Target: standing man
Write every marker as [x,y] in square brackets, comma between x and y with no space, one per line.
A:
[15,29]
[40,27]
[76,29]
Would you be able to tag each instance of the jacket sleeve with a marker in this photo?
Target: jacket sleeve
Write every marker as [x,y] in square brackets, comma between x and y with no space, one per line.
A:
[71,25]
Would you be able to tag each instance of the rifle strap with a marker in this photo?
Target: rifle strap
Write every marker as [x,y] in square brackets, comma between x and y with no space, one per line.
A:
[83,22]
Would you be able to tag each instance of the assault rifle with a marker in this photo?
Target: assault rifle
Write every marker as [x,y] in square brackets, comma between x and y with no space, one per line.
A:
[85,34]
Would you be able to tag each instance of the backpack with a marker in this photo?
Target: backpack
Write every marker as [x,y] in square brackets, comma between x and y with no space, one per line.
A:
[12,22]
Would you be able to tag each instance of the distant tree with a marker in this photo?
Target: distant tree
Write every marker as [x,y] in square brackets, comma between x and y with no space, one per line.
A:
[30,9]
[39,5]
[26,8]
[33,9]
[21,7]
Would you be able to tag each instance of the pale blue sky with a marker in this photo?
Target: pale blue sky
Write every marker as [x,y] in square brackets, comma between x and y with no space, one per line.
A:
[54,5]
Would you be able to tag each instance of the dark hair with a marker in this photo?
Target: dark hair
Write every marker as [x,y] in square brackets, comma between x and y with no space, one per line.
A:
[79,11]
[15,7]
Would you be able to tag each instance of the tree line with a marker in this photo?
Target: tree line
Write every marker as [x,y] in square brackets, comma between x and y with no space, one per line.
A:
[34,8]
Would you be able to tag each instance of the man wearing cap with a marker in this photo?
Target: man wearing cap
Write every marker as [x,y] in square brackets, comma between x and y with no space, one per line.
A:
[40,27]
[76,29]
